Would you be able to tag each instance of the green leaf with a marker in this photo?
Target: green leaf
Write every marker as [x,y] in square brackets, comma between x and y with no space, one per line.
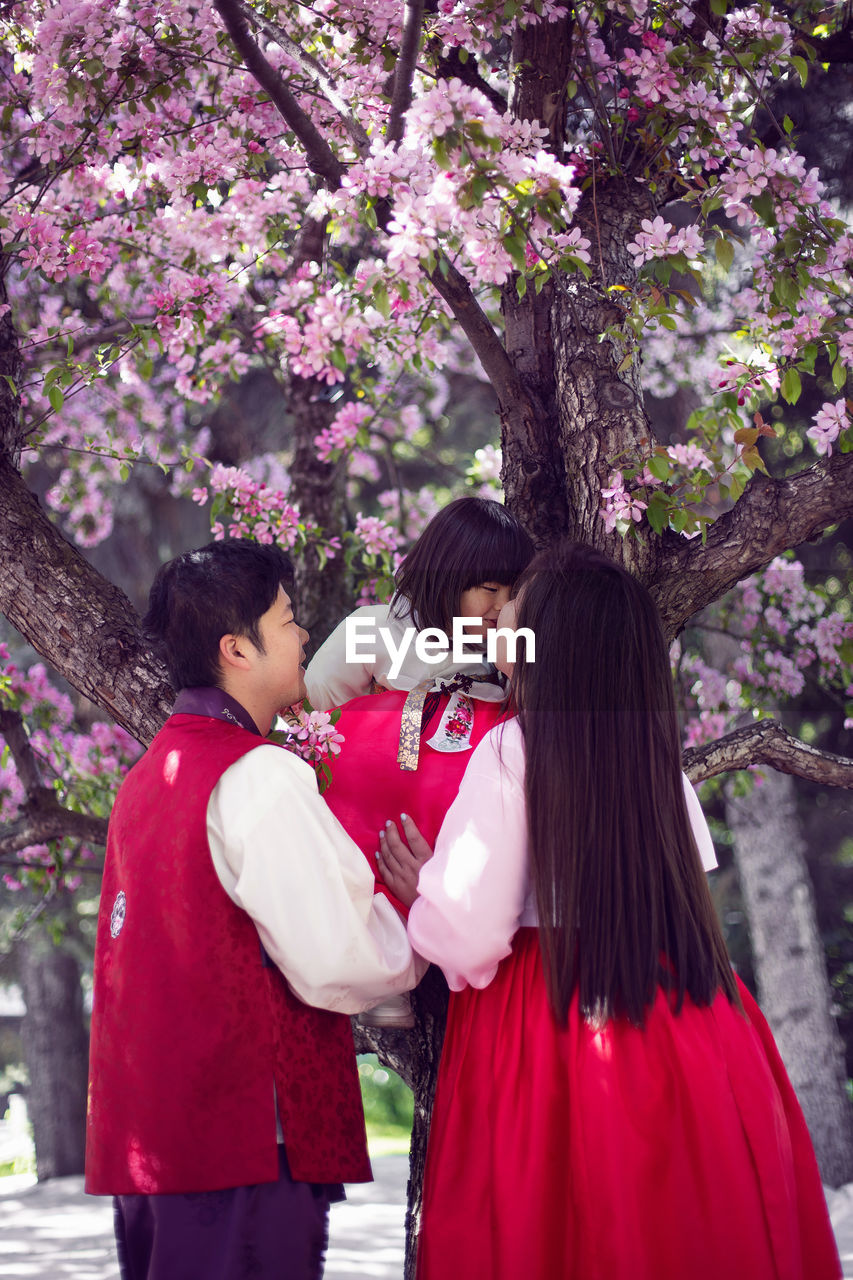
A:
[808,357]
[802,68]
[515,246]
[56,398]
[439,150]
[763,206]
[657,512]
[521,285]
[791,386]
[660,466]
[788,291]
[788,124]
[839,375]
[724,251]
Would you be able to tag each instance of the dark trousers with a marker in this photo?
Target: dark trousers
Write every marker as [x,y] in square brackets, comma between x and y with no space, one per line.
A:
[271,1231]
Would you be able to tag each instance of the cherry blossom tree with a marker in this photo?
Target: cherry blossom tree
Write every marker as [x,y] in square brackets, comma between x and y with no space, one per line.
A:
[359,198]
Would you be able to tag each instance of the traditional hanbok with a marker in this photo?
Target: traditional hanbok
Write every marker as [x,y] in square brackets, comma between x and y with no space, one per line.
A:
[408,733]
[675,1152]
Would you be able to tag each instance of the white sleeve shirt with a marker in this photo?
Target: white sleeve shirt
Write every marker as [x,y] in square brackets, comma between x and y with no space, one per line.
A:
[281,855]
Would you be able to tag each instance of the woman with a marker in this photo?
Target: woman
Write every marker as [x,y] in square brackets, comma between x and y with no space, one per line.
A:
[611,1104]
[408,733]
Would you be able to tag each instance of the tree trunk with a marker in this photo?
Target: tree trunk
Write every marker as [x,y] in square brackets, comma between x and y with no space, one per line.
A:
[323,595]
[793,989]
[56,1053]
[10,373]
[415,1056]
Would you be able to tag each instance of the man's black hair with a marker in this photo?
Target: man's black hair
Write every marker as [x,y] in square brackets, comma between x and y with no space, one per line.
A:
[224,588]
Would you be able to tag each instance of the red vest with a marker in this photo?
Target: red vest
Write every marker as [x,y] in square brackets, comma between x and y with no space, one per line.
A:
[368,786]
[190,1028]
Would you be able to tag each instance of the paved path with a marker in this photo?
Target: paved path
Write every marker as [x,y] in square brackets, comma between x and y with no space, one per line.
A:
[53,1231]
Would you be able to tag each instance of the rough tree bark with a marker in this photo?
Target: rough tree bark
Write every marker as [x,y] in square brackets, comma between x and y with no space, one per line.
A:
[323,594]
[84,626]
[415,1056]
[790,967]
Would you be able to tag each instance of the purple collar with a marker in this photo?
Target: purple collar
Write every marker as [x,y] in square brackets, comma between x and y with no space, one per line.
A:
[210,701]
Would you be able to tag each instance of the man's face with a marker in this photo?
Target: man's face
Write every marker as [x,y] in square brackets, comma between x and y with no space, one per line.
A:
[279,678]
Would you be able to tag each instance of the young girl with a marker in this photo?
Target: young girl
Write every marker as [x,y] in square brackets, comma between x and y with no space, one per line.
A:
[611,1104]
[409,733]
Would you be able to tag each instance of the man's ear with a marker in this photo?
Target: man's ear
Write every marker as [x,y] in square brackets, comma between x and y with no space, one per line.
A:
[234,652]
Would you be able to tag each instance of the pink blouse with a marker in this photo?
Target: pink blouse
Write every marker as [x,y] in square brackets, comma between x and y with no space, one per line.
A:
[475,892]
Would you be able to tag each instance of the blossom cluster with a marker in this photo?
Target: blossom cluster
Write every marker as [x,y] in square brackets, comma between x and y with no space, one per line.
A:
[175,205]
[782,631]
[313,736]
[83,767]
[163,216]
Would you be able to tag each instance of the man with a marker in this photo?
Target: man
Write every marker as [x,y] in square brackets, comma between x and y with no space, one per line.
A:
[224,1108]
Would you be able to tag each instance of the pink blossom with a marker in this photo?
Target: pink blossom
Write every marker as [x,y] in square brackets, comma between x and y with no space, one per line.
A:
[829,421]
[375,535]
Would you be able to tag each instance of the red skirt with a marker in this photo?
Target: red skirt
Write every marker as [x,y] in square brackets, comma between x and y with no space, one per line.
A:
[674,1153]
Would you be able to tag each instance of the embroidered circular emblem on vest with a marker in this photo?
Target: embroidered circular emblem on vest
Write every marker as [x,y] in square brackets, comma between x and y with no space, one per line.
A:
[119,911]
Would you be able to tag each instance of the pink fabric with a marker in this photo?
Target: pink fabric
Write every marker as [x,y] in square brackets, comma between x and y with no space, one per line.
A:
[368,786]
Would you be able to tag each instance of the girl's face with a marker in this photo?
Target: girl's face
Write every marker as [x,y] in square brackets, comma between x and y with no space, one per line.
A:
[506,622]
[484,602]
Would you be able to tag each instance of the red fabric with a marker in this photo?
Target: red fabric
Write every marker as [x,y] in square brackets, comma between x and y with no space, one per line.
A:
[189,1027]
[368,786]
[678,1151]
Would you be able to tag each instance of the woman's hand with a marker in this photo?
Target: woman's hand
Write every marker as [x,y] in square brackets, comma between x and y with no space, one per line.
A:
[400,860]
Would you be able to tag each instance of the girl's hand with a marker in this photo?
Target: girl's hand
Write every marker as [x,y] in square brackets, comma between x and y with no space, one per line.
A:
[400,862]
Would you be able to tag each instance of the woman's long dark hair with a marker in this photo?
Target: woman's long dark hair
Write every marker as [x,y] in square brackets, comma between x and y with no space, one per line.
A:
[469,542]
[622,898]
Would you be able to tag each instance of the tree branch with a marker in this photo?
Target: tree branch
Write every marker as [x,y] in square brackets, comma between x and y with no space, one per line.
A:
[84,626]
[319,155]
[451,65]
[405,69]
[39,824]
[26,766]
[315,72]
[42,818]
[768,518]
[499,369]
[768,742]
